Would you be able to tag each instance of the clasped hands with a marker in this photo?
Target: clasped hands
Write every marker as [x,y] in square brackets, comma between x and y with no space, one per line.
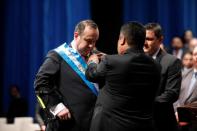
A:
[96,58]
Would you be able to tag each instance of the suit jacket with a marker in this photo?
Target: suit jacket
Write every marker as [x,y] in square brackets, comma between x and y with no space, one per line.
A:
[168,92]
[125,102]
[57,77]
[184,98]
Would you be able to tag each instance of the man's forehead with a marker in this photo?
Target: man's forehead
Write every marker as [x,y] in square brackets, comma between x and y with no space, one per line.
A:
[150,34]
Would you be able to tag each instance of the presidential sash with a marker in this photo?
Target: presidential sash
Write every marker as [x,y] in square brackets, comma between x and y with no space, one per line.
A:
[76,62]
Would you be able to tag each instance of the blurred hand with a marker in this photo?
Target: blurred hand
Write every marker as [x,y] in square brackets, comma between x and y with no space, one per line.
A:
[94,58]
[42,127]
[100,55]
[180,123]
[177,117]
[64,114]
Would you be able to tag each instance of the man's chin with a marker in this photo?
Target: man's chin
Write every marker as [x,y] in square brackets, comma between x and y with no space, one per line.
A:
[145,50]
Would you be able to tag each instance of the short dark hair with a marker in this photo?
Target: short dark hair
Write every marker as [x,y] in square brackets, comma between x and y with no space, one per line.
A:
[134,33]
[80,27]
[187,52]
[156,28]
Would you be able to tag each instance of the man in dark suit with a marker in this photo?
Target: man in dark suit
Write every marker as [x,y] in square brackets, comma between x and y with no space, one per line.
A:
[170,82]
[61,84]
[131,81]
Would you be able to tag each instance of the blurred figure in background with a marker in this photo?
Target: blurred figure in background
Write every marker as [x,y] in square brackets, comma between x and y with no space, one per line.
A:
[192,44]
[18,106]
[188,93]
[187,36]
[177,47]
[187,62]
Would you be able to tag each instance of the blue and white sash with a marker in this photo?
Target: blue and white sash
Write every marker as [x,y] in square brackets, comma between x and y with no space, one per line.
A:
[76,62]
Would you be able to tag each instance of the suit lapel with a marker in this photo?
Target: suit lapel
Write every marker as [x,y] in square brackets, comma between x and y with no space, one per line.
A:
[159,56]
[194,91]
[193,96]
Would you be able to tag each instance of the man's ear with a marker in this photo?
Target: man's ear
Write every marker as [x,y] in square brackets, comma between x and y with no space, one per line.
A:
[76,34]
[122,41]
[161,39]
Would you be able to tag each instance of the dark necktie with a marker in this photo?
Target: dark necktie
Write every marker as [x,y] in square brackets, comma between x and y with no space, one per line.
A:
[195,74]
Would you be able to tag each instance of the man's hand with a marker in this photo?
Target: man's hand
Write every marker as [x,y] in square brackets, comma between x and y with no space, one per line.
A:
[96,58]
[42,127]
[93,58]
[64,114]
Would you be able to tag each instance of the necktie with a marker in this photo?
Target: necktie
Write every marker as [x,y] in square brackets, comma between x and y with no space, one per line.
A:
[195,74]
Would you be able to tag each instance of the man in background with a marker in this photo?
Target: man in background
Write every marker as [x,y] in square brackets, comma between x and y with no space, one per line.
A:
[177,47]
[187,62]
[188,93]
[18,106]
[192,44]
[170,84]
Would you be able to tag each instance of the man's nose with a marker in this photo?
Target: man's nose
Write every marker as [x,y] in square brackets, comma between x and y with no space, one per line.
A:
[91,45]
[145,43]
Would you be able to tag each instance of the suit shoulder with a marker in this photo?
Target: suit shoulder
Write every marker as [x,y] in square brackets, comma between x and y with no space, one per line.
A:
[112,57]
[169,59]
[190,71]
[54,56]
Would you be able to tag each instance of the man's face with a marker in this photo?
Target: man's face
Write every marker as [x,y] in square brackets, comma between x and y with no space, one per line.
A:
[86,41]
[152,43]
[192,44]
[120,48]
[177,43]
[188,36]
[195,57]
[187,60]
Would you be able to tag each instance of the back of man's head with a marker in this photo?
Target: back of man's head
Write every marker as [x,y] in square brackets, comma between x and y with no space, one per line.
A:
[134,33]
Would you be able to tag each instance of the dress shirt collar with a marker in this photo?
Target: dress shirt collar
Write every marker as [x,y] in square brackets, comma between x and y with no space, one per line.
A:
[178,53]
[156,53]
[73,45]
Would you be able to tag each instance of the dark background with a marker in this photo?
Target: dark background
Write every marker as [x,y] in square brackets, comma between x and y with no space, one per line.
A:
[30,28]
[1,53]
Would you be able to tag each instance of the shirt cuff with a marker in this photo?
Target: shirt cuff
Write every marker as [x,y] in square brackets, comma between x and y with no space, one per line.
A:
[56,109]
